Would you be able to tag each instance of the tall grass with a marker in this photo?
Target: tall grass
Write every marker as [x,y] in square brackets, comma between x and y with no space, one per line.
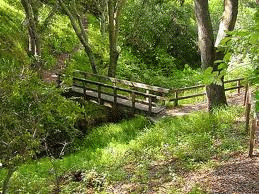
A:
[128,152]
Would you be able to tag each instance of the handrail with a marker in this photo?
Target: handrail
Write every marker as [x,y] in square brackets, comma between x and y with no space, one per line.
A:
[118,88]
[129,83]
[203,85]
[179,90]
[254,126]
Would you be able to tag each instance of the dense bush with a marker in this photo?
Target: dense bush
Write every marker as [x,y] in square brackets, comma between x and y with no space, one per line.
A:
[34,116]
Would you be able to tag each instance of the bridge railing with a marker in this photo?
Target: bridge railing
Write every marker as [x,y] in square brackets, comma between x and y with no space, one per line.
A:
[178,93]
[101,90]
[133,85]
[148,94]
[133,92]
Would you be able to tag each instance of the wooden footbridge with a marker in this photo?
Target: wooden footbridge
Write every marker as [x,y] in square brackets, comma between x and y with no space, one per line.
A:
[133,95]
[117,92]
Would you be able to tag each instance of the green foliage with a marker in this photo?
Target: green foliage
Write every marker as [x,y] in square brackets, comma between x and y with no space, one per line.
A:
[160,33]
[59,39]
[80,61]
[32,113]
[248,44]
[12,34]
[216,8]
[130,66]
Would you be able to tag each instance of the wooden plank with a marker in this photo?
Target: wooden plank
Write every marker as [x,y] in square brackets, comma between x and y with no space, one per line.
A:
[252,137]
[120,101]
[233,88]
[109,93]
[233,80]
[133,103]
[190,96]
[187,88]
[196,95]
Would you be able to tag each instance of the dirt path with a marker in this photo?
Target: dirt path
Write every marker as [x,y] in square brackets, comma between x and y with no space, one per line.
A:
[239,175]
[51,75]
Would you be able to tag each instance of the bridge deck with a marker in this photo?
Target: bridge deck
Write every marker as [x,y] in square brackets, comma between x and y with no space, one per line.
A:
[120,101]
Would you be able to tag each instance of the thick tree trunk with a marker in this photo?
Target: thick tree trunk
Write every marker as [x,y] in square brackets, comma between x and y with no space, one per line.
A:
[215,93]
[81,35]
[216,96]
[205,34]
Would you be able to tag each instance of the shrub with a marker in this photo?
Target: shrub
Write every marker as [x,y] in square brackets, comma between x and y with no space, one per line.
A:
[33,114]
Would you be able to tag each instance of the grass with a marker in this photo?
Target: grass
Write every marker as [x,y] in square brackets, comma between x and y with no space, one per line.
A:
[138,153]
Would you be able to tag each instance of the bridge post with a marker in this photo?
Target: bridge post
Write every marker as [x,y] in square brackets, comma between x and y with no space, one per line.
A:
[115,95]
[147,92]
[100,101]
[238,86]
[133,102]
[149,105]
[176,98]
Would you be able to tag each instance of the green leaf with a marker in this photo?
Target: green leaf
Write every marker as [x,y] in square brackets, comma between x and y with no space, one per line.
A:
[225,41]
[208,70]
[227,57]
[218,61]
[223,72]
[222,66]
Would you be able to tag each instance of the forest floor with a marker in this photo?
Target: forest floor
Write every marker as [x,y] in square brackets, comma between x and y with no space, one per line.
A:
[238,175]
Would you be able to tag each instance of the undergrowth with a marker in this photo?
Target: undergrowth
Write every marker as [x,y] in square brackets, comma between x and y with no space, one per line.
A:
[138,152]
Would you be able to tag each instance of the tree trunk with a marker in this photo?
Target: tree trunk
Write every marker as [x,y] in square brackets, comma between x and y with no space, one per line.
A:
[114,12]
[34,47]
[215,93]
[114,54]
[81,35]
[205,34]
[228,20]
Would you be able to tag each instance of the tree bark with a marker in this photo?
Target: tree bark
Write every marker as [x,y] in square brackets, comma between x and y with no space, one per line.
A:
[34,47]
[205,34]
[114,12]
[81,35]
[215,93]
[114,54]
[228,20]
